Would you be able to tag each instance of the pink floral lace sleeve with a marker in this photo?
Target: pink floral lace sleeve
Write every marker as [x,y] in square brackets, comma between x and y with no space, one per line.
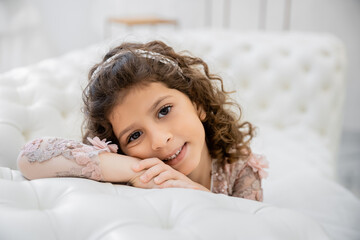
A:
[240,179]
[56,157]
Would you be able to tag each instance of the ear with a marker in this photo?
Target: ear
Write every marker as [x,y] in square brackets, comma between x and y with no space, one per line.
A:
[200,111]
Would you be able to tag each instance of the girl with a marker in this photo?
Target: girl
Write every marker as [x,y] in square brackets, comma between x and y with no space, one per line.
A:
[168,124]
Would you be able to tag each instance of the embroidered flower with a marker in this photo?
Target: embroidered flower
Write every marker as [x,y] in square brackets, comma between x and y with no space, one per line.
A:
[81,158]
[93,169]
[258,163]
[113,148]
[102,144]
[96,174]
[33,145]
[83,149]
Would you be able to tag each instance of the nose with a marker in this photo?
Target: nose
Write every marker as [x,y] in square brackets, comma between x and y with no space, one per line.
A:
[160,137]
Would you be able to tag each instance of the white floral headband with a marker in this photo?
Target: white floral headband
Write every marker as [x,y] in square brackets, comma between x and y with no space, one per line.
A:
[143,53]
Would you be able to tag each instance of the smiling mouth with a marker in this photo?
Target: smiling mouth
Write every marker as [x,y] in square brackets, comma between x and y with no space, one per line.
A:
[175,155]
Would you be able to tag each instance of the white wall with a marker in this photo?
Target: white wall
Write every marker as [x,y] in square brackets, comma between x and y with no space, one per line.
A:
[22,39]
[60,26]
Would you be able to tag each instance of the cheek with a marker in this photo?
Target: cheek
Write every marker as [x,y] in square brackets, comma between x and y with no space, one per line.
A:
[141,150]
[137,155]
[193,126]
[137,152]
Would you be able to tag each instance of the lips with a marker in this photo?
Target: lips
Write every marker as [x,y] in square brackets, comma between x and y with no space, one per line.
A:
[174,155]
[177,156]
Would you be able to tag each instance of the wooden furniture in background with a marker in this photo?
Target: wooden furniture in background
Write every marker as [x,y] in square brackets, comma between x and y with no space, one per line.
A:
[130,22]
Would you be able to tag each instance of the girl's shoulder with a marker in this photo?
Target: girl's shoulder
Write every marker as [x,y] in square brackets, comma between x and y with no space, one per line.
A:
[256,162]
[241,178]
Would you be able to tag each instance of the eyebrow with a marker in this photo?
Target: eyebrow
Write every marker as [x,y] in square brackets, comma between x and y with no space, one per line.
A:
[151,109]
[156,103]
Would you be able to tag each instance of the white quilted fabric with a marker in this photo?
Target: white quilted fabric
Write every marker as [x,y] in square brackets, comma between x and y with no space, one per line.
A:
[84,209]
[282,81]
[291,85]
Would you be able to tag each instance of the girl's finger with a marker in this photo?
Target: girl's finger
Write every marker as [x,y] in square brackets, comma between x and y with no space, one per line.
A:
[172,183]
[145,164]
[164,176]
[152,172]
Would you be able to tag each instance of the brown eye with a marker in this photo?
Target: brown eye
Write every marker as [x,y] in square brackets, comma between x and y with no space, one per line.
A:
[134,136]
[164,111]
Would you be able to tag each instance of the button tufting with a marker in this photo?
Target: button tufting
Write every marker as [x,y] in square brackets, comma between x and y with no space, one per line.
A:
[279,125]
[225,64]
[322,131]
[306,68]
[302,108]
[64,114]
[285,85]
[284,52]
[326,86]
[246,47]
[265,64]
[26,135]
[324,53]
[338,67]
[245,83]
[263,105]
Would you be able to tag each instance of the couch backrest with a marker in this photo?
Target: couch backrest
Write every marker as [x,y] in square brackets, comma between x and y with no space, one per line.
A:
[283,80]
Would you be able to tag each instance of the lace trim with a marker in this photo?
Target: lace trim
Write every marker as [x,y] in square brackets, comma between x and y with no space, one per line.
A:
[40,150]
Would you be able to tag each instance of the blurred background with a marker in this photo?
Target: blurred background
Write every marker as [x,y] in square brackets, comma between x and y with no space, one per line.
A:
[32,30]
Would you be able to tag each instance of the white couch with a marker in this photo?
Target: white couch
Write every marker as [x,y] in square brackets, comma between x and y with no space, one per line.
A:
[291,86]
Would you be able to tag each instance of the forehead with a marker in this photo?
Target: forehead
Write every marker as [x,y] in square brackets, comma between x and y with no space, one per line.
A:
[138,100]
[141,94]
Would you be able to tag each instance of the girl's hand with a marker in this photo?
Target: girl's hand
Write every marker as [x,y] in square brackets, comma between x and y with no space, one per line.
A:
[154,171]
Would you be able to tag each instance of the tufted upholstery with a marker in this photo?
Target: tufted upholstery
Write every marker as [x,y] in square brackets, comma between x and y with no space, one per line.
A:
[281,80]
[141,214]
[290,85]
[265,69]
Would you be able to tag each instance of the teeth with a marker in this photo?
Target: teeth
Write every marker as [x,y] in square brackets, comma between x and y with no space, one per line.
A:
[173,156]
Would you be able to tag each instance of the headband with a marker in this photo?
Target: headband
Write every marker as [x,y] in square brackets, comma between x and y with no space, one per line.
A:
[143,53]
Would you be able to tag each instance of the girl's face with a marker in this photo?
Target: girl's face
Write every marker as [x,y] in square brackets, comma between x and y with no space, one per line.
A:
[156,121]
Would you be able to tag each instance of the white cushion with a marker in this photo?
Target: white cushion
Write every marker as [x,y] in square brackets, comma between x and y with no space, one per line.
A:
[70,208]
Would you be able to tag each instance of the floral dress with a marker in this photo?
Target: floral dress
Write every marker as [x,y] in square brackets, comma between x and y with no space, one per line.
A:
[241,178]
[57,157]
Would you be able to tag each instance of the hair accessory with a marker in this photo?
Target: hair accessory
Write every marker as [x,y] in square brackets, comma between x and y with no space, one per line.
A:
[158,57]
[143,53]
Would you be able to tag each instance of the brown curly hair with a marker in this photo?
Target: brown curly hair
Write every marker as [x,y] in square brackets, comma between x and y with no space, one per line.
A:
[227,139]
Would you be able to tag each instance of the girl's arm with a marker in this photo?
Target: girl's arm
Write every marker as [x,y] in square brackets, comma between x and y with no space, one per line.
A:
[55,157]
